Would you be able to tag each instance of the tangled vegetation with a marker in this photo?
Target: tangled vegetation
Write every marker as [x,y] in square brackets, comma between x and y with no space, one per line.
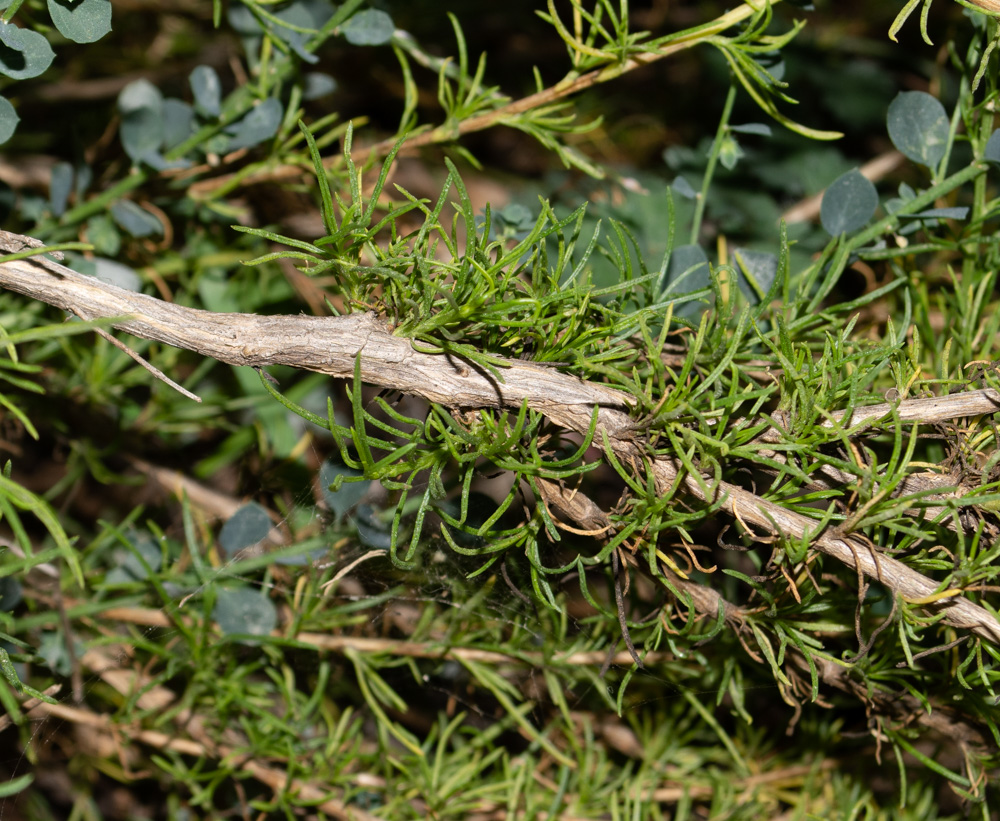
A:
[626,498]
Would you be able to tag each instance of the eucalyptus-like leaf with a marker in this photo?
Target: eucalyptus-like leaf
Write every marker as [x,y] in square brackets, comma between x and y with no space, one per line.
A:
[8,120]
[23,53]
[260,124]
[918,127]
[60,185]
[848,203]
[82,21]
[339,492]
[207,90]
[140,104]
[244,611]
[178,122]
[136,220]
[992,151]
[246,527]
[371,27]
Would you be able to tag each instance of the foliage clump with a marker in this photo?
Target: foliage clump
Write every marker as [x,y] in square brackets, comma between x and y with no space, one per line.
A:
[710,526]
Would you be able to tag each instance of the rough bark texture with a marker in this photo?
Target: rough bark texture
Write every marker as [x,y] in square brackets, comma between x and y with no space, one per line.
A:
[331,345]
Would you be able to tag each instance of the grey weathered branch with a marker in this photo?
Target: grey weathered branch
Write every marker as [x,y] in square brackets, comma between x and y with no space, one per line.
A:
[332,345]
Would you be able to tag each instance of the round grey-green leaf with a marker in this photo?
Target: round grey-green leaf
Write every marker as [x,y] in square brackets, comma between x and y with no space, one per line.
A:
[757,272]
[23,53]
[992,152]
[60,184]
[918,127]
[317,85]
[370,27]
[82,21]
[178,122]
[207,90]
[848,203]
[136,220]
[247,526]
[687,270]
[260,124]
[244,611]
[141,107]
[348,494]
[8,120]
[115,273]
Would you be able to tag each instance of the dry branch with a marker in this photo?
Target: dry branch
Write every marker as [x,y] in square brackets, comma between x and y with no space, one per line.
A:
[332,345]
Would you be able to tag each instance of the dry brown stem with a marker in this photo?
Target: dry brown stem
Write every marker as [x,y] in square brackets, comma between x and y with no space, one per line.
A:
[332,345]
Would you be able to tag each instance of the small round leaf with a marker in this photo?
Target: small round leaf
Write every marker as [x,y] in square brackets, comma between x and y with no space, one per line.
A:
[370,27]
[207,90]
[687,270]
[104,235]
[135,220]
[247,526]
[260,124]
[918,127]
[317,84]
[115,273]
[348,494]
[82,21]
[244,611]
[60,184]
[178,122]
[10,593]
[141,107]
[8,120]
[23,53]
[848,203]
[757,272]
[992,152]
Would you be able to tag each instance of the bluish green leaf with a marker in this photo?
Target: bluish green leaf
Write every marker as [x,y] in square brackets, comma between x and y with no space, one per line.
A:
[53,651]
[370,27]
[115,273]
[207,90]
[8,120]
[178,122]
[310,15]
[260,124]
[848,203]
[918,127]
[60,184]
[243,611]
[347,494]
[104,236]
[681,186]
[992,151]
[10,593]
[372,531]
[133,568]
[82,21]
[687,270]
[135,220]
[759,129]
[317,85]
[247,526]
[757,270]
[23,53]
[141,106]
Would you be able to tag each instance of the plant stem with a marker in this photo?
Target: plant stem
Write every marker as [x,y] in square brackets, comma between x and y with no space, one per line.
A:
[713,159]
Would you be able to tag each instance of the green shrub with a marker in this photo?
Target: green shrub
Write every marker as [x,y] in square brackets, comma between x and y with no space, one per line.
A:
[653,506]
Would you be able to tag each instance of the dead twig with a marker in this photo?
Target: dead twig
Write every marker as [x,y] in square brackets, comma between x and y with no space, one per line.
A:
[333,345]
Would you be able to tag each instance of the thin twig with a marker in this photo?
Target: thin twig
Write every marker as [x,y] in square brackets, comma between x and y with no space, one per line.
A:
[332,345]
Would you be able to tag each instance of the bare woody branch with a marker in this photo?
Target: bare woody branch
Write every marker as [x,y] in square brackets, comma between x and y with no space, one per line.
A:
[332,345]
